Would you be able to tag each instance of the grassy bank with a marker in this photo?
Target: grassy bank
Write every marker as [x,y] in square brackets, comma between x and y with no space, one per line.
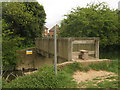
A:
[46,78]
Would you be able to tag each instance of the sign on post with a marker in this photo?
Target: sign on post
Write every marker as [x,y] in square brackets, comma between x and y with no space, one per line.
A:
[28,52]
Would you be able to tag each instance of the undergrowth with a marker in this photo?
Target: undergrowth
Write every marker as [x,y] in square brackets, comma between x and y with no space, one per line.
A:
[108,66]
[46,77]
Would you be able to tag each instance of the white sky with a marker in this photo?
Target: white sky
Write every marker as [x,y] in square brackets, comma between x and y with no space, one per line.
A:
[56,9]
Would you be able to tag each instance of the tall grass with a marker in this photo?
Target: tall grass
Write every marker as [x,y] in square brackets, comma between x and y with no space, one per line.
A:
[46,77]
[108,66]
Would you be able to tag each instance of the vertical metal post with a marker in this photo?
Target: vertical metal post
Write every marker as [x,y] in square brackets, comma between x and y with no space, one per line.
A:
[55,52]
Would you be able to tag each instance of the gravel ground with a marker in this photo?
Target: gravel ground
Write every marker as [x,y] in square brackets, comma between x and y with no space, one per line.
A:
[85,76]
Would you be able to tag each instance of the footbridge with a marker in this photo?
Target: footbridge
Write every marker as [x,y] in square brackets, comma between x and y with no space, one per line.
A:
[68,48]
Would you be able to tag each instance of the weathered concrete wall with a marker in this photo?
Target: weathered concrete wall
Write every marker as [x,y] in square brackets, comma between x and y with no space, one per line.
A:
[90,44]
[67,48]
[64,48]
[31,61]
[46,45]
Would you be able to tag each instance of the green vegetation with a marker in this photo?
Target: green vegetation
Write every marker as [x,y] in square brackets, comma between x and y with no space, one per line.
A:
[95,20]
[4,82]
[9,46]
[102,84]
[25,19]
[110,84]
[46,78]
[113,77]
[112,67]
[22,22]
[107,82]
[113,54]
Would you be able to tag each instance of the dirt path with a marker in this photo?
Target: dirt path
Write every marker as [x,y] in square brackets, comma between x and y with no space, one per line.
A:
[85,76]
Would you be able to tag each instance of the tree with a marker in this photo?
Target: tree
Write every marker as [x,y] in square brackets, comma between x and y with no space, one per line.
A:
[40,16]
[21,23]
[26,18]
[9,46]
[118,12]
[95,20]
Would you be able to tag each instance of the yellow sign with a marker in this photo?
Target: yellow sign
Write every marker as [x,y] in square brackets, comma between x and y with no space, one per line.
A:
[28,52]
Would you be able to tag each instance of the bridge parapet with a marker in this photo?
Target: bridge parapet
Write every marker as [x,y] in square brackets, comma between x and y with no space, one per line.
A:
[68,48]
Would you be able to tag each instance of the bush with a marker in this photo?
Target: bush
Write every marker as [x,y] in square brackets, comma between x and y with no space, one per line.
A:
[10,43]
[70,68]
[3,82]
[44,78]
[94,20]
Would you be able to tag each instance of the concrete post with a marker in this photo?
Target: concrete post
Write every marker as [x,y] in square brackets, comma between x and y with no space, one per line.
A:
[97,48]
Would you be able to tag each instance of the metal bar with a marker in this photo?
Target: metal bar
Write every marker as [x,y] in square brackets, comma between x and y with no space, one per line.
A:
[55,52]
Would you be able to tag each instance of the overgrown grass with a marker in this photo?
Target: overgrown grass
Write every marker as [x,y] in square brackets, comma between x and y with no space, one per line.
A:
[46,78]
[108,66]
[109,82]
[4,82]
